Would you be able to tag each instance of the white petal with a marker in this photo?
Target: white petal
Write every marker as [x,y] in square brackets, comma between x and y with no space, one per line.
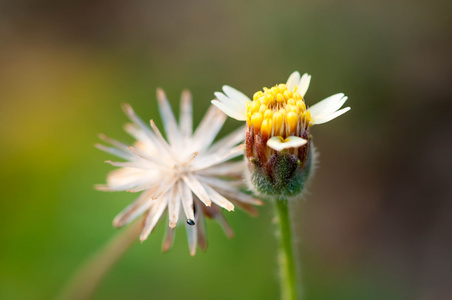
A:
[231,169]
[294,80]
[197,188]
[173,206]
[141,164]
[114,142]
[140,125]
[228,189]
[161,140]
[188,159]
[129,175]
[192,237]
[218,199]
[331,117]
[277,143]
[327,106]
[236,95]
[165,185]
[208,129]
[230,110]
[242,197]
[187,201]
[231,102]
[217,158]
[224,185]
[155,212]
[186,114]
[304,84]
[169,121]
[132,211]
[140,154]
[229,141]
[142,187]
[142,138]
[114,151]
[120,180]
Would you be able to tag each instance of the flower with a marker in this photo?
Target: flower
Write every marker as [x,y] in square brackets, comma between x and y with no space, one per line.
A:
[278,143]
[186,175]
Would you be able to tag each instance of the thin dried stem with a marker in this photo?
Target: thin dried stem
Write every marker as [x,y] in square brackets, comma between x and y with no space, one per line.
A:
[88,278]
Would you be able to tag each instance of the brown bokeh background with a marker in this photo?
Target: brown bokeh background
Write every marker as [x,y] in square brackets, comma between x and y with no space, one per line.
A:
[377,221]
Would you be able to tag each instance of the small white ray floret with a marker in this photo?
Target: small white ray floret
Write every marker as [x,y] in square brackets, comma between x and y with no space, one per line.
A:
[278,143]
[232,102]
[328,109]
[293,81]
[304,84]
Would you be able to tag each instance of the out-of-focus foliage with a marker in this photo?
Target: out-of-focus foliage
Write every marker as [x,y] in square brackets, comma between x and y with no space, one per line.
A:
[376,223]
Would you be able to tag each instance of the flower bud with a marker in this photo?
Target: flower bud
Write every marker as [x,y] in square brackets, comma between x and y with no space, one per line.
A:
[278,146]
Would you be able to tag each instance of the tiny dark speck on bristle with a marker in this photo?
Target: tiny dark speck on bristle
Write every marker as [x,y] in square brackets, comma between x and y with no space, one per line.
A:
[190,222]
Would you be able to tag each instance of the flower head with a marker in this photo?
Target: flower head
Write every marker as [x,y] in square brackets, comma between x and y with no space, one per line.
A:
[278,140]
[186,176]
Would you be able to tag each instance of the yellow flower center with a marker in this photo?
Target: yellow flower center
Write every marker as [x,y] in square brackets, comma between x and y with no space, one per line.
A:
[278,112]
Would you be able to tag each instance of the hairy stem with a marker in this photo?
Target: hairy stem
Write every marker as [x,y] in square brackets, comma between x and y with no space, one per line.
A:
[86,280]
[286,254]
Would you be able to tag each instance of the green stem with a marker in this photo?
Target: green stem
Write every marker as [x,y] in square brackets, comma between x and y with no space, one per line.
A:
[86,280]
[286,255]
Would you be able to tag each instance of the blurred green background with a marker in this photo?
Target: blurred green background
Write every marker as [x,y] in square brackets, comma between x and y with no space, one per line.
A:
[377,221]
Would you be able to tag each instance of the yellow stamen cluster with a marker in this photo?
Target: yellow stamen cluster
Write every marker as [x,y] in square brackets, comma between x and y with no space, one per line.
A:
[277,111]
